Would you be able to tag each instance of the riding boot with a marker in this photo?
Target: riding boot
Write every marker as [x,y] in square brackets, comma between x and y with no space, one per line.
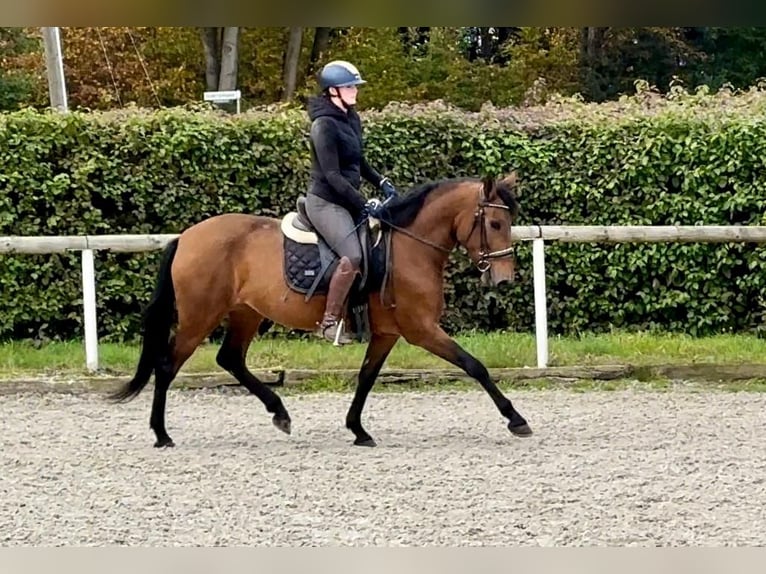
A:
[340,284]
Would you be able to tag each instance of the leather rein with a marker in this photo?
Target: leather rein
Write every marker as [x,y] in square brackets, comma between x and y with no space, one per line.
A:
[485,256]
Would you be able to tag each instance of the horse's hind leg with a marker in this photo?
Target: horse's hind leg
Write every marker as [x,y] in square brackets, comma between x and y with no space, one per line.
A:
[187,338]
[243,325]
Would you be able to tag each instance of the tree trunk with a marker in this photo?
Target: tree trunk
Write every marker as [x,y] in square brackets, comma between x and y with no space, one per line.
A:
[318,48]
[229,58]
[487,49]
[423,36]
[592,38]
[292,55]
[591,44]
[212,47]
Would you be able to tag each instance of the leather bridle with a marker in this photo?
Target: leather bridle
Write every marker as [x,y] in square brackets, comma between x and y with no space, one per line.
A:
[485,256]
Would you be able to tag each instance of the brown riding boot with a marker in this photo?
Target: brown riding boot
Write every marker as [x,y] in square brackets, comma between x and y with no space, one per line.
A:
[340,284]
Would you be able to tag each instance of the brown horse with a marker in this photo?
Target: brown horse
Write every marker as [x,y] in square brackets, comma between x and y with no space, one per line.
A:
[234,266]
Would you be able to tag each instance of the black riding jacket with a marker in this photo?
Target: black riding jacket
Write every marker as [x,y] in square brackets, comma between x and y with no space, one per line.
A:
[337,156]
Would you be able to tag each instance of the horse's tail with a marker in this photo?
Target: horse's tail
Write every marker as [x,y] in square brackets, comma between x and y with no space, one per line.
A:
[158,320]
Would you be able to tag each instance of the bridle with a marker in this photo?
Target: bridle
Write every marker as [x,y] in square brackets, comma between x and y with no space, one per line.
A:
[485,256]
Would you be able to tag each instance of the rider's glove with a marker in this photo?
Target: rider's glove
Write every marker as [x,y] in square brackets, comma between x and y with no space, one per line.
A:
[373,208]
[387,188]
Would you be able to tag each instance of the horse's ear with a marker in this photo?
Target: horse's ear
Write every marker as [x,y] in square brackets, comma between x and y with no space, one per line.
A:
[489,184]
[509,180]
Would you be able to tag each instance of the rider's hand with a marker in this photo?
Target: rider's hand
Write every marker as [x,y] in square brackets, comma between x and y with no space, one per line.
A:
[373,208]
[387,188]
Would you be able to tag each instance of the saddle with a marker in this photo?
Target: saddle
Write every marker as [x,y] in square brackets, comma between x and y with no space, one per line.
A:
[309,263]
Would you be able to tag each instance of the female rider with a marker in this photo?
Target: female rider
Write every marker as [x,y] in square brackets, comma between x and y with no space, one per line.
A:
[334,204]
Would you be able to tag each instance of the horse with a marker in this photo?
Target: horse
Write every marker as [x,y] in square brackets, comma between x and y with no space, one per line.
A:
[241,267]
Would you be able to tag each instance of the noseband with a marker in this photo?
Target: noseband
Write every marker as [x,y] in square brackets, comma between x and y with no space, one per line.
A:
[486,256]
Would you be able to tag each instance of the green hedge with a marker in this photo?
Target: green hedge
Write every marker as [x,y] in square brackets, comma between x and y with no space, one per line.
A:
[684,159]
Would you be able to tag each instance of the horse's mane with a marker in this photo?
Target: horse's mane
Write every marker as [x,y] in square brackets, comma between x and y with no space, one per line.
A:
[403,209]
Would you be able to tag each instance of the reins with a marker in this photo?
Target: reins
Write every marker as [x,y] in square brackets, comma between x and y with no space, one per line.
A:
[485,256]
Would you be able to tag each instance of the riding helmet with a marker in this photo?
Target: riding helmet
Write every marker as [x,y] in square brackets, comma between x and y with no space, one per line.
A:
[338,74]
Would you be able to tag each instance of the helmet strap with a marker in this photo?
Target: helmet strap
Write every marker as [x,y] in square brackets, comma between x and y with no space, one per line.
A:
[346,106]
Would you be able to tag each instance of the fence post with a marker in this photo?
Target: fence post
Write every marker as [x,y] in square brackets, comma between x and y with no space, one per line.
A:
[89,306]
[541,305]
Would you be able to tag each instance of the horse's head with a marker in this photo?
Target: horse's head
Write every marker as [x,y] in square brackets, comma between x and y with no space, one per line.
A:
[486,234]
[479,216]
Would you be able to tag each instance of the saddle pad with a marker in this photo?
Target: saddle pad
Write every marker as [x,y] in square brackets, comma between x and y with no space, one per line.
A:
[302,265]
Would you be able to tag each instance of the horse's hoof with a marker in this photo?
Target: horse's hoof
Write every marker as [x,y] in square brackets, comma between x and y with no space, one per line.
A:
[520,430]
[282,424]
[164,443]
[369,441]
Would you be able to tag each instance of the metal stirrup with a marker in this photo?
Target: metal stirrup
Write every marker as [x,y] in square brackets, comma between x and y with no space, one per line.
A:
[338,331]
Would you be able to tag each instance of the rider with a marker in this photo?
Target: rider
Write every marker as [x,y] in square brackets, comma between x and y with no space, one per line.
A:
[334,204]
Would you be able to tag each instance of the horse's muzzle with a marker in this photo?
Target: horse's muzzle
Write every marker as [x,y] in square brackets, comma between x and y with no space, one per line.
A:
[499,273]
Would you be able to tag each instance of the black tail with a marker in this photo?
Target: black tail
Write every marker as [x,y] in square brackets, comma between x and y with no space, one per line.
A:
[159,316]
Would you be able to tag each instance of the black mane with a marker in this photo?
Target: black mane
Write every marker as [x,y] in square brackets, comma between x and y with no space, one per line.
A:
[403,209]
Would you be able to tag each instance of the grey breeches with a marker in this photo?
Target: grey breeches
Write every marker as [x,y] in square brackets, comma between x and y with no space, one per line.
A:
[336,227]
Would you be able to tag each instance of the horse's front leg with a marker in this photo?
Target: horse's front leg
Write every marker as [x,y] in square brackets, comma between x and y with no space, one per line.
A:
[378,349]
[436,341]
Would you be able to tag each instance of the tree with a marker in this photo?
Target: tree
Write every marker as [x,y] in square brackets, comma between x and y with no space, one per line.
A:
[614,58]
[542,61]
[415,40]
[292,57]
[21,67]
[318,48]
[489,43]
[591,47]
[730,55]
[221,48]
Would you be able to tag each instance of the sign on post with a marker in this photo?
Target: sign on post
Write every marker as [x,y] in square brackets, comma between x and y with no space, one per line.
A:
[223,96]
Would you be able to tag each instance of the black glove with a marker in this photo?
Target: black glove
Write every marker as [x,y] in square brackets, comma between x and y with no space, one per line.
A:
[373,209]
[387,188]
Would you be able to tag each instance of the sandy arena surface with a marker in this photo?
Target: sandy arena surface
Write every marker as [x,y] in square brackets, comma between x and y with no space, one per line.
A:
[603,468]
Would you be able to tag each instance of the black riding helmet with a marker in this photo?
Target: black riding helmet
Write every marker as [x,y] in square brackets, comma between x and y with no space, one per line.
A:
[339,74]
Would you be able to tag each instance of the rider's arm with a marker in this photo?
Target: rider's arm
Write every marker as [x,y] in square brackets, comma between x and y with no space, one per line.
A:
[323,136]
[369,173]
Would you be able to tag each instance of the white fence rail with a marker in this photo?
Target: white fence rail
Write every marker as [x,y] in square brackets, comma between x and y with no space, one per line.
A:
[87,244]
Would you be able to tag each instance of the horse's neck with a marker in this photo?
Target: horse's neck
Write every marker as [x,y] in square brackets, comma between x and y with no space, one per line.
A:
[437,221]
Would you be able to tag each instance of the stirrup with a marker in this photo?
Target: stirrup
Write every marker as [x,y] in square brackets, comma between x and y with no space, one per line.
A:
[339,338]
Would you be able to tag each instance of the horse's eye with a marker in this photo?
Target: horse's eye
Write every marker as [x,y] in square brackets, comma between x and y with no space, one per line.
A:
[495,225]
